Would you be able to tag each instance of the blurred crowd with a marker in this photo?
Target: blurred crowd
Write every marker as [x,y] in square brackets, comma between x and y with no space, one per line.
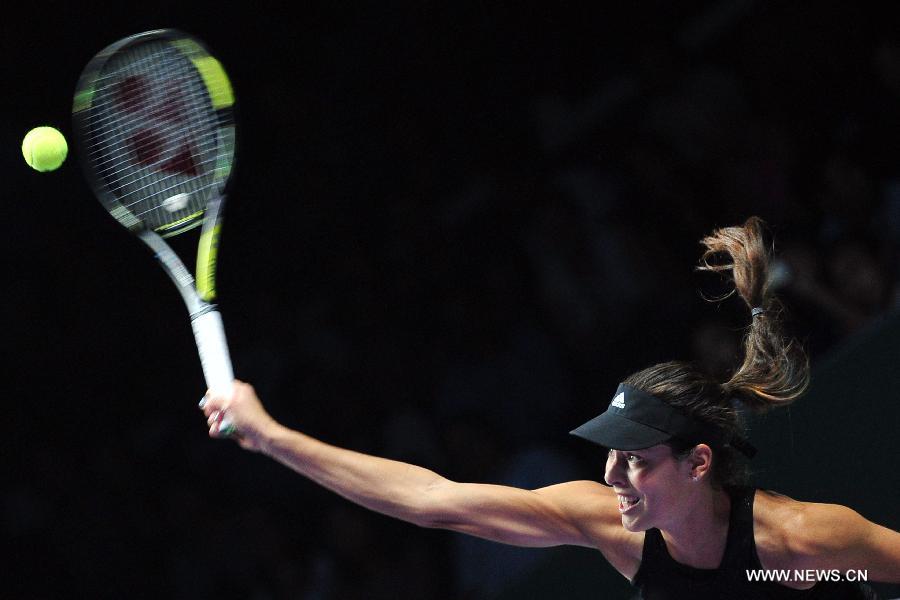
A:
[488,303]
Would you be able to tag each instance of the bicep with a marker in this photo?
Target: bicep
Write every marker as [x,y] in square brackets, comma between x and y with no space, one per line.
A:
[551,516]
[879,552]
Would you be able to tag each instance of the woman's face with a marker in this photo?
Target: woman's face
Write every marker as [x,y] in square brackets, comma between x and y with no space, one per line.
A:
[653,487]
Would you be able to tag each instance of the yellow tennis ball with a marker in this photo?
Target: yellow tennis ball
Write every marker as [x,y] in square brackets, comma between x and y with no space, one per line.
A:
[44,149]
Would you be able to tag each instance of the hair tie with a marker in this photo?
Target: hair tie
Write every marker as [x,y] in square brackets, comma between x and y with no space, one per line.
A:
[757,310]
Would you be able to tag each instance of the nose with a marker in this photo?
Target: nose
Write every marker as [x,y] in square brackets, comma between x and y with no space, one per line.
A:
[614,473]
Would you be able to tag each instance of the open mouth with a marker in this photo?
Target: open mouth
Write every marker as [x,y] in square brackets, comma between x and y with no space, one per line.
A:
[626,503]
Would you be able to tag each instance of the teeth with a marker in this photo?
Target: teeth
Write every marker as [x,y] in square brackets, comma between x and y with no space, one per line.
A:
[628,500]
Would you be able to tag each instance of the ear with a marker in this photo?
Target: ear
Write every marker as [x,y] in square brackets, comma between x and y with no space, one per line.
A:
[700,461]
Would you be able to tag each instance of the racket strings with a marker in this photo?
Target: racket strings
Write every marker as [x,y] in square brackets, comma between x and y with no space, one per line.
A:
[166,64]
[129,126]
[134,131]
[113,172]
[154,90]
[151,184]
[128,170]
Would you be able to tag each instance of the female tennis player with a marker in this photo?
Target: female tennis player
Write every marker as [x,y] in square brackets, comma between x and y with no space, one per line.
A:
[674,517]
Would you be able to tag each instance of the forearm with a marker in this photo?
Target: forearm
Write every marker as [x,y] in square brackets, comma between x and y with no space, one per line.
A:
[387,486]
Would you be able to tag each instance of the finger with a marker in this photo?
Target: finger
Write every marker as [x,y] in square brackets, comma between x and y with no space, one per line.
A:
[208,405]
[224,428]
[227,427]
[212,405]
[214,417]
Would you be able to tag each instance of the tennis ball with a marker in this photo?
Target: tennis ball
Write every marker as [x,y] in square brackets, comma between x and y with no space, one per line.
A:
[44,149]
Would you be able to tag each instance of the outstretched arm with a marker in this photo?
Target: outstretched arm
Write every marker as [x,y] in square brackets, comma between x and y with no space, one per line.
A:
[830,536]
[579,513]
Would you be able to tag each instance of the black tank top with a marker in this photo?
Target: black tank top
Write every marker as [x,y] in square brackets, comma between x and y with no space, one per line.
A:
[660,577]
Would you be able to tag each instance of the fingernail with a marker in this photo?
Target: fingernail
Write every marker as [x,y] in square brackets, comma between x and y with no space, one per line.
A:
[202,402]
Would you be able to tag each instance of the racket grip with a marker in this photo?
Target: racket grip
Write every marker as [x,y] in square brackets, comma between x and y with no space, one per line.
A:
[213,349]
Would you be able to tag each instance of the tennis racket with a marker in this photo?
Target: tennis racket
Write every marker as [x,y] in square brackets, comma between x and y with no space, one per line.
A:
[155,133]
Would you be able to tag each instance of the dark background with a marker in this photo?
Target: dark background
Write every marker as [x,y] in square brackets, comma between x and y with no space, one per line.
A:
[452,231]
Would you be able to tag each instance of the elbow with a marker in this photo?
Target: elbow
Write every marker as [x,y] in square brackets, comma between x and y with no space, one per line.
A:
[430,509]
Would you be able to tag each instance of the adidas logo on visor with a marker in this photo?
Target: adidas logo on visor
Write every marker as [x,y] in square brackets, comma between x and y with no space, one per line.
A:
[619,401]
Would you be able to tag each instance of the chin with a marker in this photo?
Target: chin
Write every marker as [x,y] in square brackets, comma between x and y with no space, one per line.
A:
[634,525]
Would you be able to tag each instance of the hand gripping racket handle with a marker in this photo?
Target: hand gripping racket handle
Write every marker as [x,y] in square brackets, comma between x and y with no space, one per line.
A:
[213,349]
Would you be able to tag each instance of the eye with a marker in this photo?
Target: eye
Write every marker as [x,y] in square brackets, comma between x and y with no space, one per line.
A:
[634,459]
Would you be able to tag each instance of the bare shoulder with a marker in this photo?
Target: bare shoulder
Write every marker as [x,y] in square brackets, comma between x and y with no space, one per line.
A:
[775,518]
[594,507]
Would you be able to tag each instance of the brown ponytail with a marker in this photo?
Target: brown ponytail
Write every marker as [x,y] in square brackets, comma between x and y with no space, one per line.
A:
[775,370]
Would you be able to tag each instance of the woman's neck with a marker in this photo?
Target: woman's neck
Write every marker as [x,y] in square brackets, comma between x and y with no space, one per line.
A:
[698,538]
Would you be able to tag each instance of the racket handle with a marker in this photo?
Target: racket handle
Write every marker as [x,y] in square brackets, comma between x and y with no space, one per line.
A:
[210,337]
